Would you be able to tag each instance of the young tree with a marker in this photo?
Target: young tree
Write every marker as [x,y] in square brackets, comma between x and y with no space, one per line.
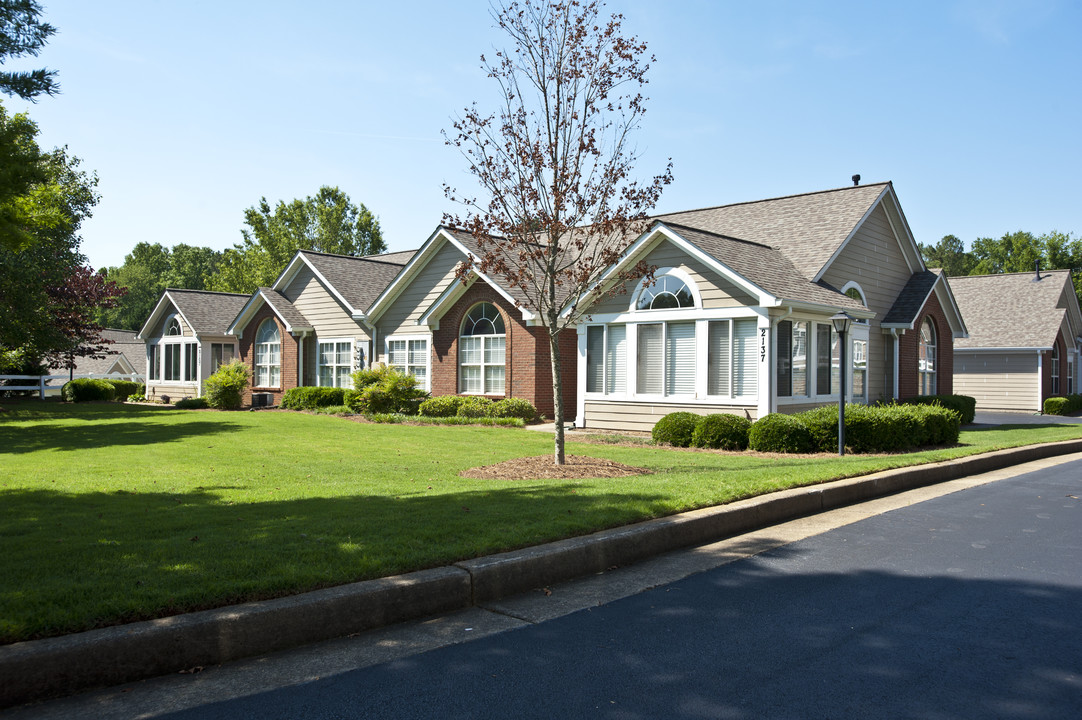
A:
[557,204]
[21,34]
[73,304]
[328,222]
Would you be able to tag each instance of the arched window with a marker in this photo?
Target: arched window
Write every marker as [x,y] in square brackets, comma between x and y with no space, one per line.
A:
[174,326]
[268,355]
[926,364]
[1055,368]
[851,289]
[667,293]
[482,345]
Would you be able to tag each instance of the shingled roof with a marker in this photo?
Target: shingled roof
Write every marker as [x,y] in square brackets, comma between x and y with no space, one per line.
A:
[1011,310]
[282,307]
[208,313]
[808,229]
[359,280]
[912,297]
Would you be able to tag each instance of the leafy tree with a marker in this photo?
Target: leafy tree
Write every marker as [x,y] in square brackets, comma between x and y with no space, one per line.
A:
[554,163]
[34,292]
[148,270]
[949,254]
[21,34]
[29,203]
[1014,252]
[328,222]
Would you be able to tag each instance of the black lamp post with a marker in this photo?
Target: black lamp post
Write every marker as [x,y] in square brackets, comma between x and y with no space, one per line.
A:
[842,321]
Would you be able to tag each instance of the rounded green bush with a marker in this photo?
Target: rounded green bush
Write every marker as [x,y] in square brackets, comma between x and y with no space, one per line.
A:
[125,389]
[514,408]
[1055,406]
[780,433]
[675,429]
[474,406]
[722,431]
[196,403]
[442,406]
[87,390]
[225,388]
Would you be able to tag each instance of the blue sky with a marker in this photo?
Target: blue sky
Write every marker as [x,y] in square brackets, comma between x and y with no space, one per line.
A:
[190,112]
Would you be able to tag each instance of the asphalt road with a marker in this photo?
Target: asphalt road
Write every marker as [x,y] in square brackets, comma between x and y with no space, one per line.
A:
[964,606]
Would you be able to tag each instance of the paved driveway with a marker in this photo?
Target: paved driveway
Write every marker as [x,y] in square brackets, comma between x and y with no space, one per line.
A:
[1021,418]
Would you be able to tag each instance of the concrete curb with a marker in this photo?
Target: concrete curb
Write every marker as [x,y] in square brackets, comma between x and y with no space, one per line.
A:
[52,667]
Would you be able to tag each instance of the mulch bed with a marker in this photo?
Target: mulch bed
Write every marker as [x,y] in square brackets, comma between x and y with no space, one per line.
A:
[541,467]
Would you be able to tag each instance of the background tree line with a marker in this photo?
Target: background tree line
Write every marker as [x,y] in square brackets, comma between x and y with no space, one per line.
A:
[1014,252]
[326,222]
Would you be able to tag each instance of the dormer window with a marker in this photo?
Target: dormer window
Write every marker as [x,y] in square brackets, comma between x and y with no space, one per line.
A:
[173,328]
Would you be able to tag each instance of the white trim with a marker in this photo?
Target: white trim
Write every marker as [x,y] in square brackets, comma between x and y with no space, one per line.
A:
[449,296]
[1040,382]
[251,308]
[319,357]
[354,312]
[407,337]
[155,313]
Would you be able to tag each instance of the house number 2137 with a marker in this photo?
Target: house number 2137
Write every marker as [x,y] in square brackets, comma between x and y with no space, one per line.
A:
[762,344]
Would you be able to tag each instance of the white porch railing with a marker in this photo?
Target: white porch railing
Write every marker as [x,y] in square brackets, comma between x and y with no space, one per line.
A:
[41,382]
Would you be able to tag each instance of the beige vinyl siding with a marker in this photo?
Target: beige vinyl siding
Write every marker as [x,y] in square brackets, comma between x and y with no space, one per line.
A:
[328,316]
[176,391]
[716,291]
[998,381]
[402,315]
[874,260]
[618,415]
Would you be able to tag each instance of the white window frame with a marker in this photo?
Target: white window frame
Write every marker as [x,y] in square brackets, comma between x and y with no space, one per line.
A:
[334,366]
[923,373]
[270,366]
[181,345]
[482,365]
[1055,367]
[221,361]
[427,340]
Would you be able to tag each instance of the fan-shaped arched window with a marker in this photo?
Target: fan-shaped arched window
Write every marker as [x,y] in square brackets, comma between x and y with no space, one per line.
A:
[268,355]
[173,328]
[482,347]
[926,364]
[668,292]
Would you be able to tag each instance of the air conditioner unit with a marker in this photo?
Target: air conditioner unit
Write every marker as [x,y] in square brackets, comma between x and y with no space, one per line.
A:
[262,399]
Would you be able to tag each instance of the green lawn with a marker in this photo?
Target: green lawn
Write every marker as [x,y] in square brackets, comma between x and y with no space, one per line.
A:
[113,513]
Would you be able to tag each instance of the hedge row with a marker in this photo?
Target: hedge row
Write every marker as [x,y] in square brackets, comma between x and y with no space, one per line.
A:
[87,390]
[965,406]
[310,398]
[885,428]
[473,406]
[1062,405]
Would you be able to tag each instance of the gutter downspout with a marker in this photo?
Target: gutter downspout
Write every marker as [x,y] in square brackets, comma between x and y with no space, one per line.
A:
[772,385]
[300,358]
[894,372]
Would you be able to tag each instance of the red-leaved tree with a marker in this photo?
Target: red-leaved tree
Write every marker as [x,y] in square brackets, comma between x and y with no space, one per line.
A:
[73,304]
[557,202]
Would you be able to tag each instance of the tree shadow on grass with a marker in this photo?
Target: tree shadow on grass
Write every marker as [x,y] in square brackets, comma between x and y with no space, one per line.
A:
[144,431]
[73,562]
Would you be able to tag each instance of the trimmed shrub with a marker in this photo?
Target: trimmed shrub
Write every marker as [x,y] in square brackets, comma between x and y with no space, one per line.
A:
[198,403]
[474,406]
[1062,405]
[675,429]
[822,424]
[964,405]
[513,408]
[779,433]
[721,431]
[442,406]
[885,428]
[384,390]
[87,390]
[310,398]
[125,389]
[225,388]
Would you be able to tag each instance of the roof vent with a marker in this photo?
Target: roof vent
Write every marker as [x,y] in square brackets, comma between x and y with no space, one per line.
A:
[1037,273]
[856,180]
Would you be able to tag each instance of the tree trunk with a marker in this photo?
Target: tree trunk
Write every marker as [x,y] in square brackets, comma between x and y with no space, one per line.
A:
[557,397]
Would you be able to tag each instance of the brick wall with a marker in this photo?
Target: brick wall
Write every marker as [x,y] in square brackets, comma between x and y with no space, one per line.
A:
[909,352]
[528,374]
[288,375]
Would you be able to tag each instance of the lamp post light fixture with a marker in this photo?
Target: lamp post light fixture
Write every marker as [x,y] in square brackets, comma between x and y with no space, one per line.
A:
[842,321]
